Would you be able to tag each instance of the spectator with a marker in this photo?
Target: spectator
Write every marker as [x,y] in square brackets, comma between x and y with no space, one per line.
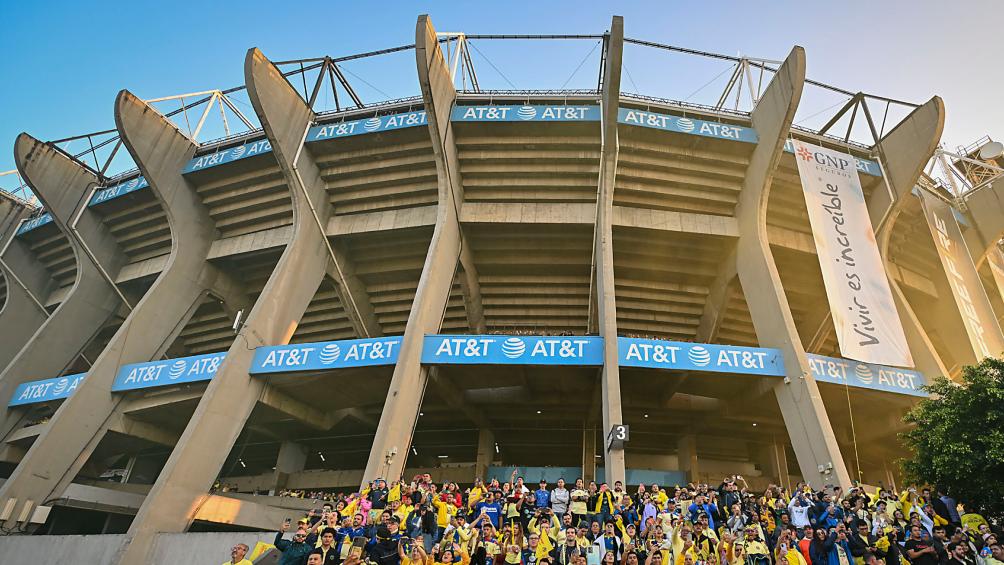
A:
[579,500]
[959,554]
[237,554]
[294,552]
[560,498]
[918,550]
[542,496]
[862,542]
[996,554]
[327,548]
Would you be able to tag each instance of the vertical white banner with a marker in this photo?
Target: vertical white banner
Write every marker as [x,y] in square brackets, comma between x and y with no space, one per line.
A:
[864,314]
[967,289]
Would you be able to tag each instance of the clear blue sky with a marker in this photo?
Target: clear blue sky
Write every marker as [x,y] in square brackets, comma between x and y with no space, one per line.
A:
[63,62]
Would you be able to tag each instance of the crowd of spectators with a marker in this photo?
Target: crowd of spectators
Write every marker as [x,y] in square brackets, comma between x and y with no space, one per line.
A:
[418,522]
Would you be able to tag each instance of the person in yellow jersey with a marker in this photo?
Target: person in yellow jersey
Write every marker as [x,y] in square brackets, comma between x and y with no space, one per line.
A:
[544,523]
[752,548]
[578,506]
[237,554]
[445,557]
[786,551]
[411,552]
[457,532]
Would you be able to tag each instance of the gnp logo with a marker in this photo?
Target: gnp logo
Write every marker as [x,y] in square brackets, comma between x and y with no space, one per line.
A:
[823,159]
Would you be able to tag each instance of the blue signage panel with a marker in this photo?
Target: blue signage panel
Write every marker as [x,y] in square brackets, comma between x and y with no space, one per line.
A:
[867,375]
[369,125]
[45,390]
[168,372]
[661,354]
[326,355]
[680,124]
[865,166]
[249,149]
[120,189]
[34,223]
[549,113]
[512,350]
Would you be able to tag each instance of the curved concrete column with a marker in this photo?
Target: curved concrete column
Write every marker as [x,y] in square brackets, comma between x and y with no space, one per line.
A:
[184,483]
[63,185]
[798,396]
[23,312]
[11,213]
[905,151]
[969,307]
[603,250]
[161,152]
[985,208]
[392,442]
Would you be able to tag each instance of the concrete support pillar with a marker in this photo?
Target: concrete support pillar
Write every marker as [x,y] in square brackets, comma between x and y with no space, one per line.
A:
[603,251]
[995,261]
[798,396]
[74,432]
[971,314]
[946,318]
[486,453]
[773,460]
[904,152]
[12,211]
[292,459]
[392,442]
[984,208]
[64,185]
[194,464]
[23,312]
[686,456]
[589,454]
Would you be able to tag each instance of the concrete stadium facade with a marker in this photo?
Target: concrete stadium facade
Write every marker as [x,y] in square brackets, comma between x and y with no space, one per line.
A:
[417,219]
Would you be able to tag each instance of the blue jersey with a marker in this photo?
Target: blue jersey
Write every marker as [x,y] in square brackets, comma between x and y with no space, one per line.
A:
[542,498]
[492,510]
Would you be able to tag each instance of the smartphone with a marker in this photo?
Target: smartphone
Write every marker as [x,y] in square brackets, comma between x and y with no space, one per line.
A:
[406,545]
[358,543]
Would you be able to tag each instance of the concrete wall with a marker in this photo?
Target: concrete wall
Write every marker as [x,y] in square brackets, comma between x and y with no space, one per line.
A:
[190,549]
[203,548]
[93,550]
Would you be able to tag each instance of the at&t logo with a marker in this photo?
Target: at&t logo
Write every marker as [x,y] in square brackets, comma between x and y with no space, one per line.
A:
[330,353]
[177,369]
[699,356]
[513,348]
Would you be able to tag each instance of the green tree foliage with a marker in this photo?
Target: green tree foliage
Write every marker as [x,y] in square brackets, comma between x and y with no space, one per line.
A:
[958,442]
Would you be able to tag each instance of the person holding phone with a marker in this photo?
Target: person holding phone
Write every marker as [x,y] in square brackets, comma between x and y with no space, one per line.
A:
[294,552]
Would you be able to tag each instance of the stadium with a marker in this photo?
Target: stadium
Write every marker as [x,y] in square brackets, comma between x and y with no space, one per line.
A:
[573,283]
